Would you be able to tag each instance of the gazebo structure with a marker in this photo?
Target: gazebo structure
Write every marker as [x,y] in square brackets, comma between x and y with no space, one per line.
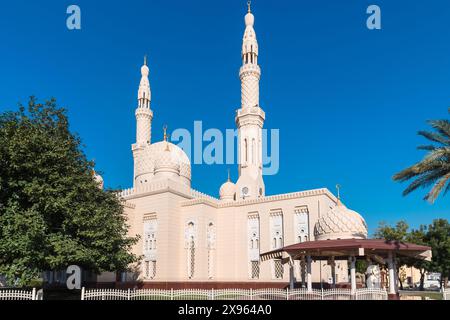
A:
[341,234]
[377,250]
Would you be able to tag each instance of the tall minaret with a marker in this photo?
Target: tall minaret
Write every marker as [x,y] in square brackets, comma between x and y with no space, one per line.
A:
[144,114]
[250,118]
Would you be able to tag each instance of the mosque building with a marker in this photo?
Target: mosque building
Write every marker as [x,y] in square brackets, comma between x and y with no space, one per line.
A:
[190,239]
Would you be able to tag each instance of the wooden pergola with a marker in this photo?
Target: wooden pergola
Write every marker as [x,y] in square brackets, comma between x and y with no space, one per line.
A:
[378,250]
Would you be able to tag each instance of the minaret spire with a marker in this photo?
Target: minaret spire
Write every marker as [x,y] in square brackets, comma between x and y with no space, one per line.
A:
[144,114]
[249,4]
[250,117]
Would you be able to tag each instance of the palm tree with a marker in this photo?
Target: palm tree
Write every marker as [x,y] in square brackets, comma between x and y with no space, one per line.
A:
[434,169]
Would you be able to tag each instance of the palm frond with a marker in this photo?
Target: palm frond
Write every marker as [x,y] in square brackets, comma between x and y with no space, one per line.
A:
[420,168]
[427,147]
[442,126]
[435,137]
[423,181]
[437,188]
[434,169]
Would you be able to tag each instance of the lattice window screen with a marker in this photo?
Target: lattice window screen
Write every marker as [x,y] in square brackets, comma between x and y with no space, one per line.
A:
[147,269]
[255,269]
[191,260]
[153,269]
[278,269]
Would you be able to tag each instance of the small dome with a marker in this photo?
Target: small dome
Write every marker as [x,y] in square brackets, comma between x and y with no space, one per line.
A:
[340,223]
[227,191]
[98,179]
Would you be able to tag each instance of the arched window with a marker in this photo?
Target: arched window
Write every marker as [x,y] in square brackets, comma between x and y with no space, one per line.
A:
[246,150]
[190,250]
[253,151]
[191,257]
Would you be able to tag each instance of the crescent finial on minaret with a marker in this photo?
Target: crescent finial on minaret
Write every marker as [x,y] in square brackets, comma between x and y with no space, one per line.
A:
[145,60]
[249,4]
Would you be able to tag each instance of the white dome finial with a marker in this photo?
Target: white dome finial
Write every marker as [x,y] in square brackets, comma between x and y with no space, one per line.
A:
[249,18]
[144,69]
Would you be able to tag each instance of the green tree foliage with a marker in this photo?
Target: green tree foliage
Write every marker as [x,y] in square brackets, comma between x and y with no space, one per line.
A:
[434,169]
[52,212]
[438,237]
[419,237]
[397,233]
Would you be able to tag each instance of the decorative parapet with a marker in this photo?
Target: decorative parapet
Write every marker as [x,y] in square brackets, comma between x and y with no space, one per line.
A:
[129,205]
[278,197]
[197,194]
[198,197]
[125,193]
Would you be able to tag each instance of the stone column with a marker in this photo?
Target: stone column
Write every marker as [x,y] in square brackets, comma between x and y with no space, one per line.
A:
[353,274]
[332,264]
[291,272]
[303,271]
[391,266]
[291,275]
[308,272]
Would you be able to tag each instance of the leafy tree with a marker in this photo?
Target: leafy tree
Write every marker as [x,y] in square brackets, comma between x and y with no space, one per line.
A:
[434,169]
[419,237]
[397,233]
[438,237]
[361,266]
[52,212]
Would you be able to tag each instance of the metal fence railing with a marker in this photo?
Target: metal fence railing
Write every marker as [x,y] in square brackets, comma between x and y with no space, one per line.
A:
[18,294]
[233,294]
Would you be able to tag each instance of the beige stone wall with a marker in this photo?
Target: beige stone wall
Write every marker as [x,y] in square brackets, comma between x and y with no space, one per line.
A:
[175,209]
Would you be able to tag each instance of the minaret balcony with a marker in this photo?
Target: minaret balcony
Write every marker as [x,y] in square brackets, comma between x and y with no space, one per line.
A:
[144,112]
[249,68]
[250,116]
[256,111]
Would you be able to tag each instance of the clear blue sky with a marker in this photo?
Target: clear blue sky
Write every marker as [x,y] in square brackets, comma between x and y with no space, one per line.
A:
[348,101]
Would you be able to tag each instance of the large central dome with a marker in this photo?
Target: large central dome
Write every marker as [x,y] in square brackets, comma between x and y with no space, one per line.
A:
[340,223]
[162,160]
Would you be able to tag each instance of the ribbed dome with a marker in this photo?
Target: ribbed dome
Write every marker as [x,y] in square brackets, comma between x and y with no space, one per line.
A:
[227,191]
[154,161]
[340,223]
[167,161]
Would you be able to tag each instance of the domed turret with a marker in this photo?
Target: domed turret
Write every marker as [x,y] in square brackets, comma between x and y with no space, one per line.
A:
[340,223]
[98,178]
[227,191]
